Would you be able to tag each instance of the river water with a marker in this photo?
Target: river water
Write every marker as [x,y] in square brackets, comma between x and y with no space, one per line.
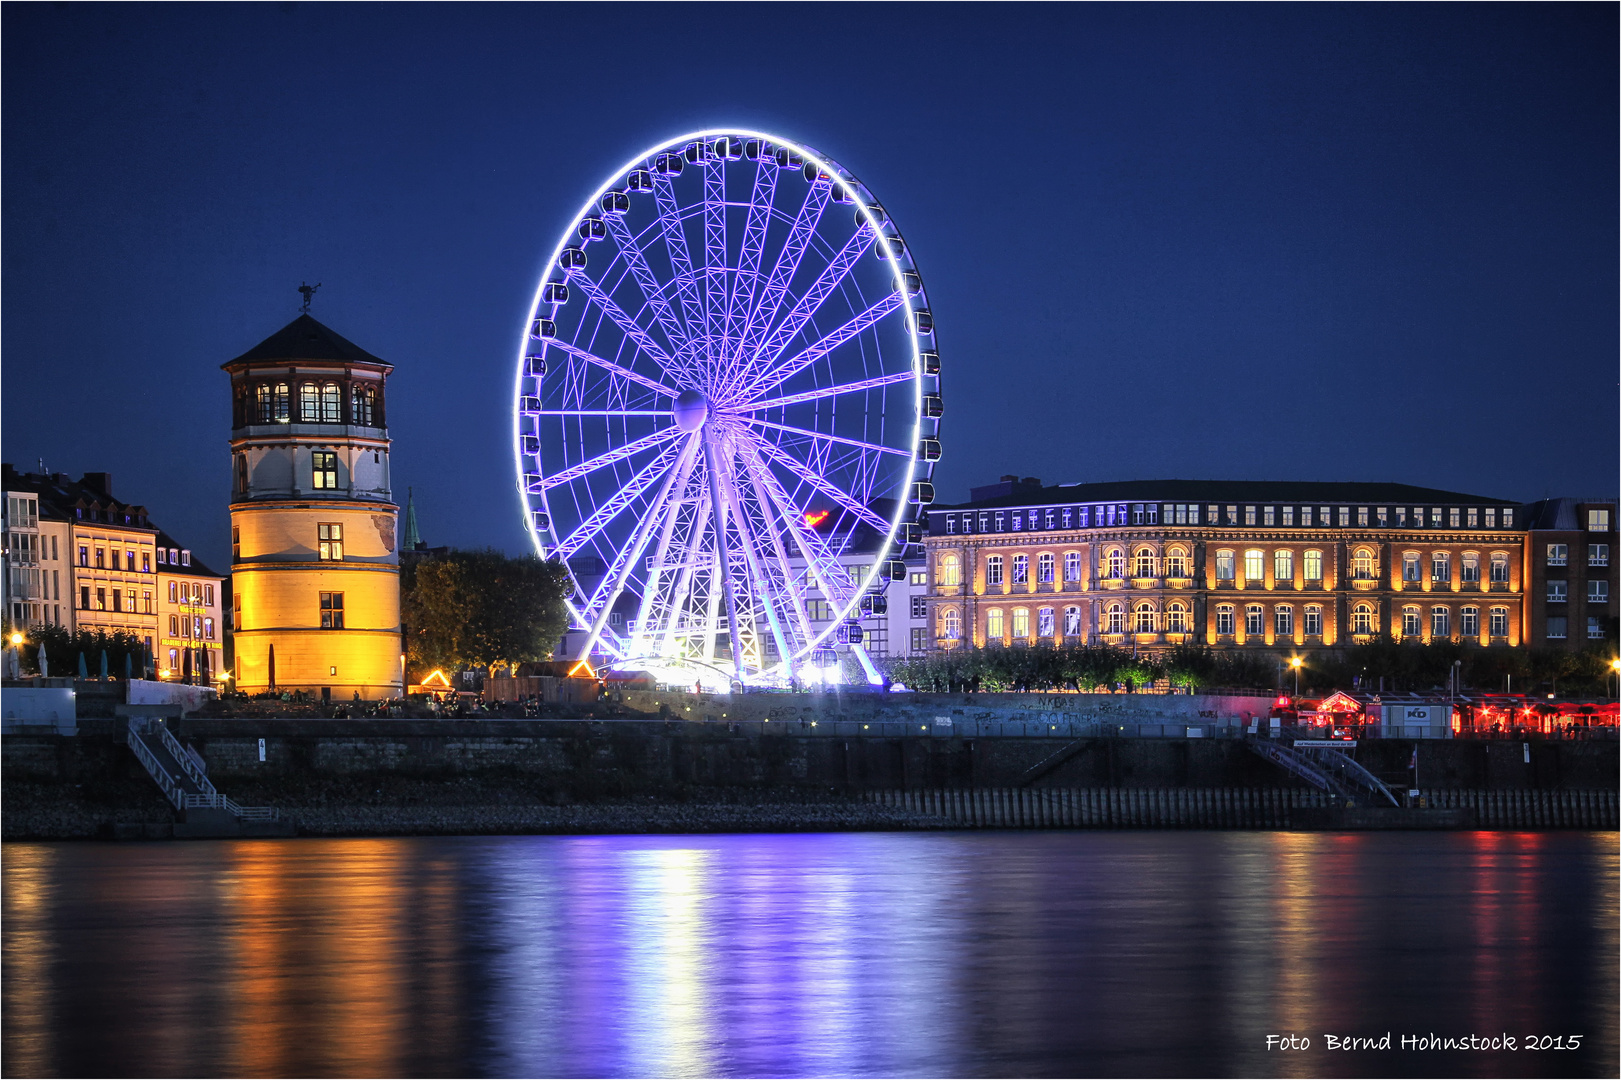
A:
[855,954]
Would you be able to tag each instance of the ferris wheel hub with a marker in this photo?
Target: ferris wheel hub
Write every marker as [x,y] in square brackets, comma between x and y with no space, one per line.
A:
[691,410]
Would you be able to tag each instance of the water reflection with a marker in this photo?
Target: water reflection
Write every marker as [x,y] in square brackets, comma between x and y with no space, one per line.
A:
[861,954]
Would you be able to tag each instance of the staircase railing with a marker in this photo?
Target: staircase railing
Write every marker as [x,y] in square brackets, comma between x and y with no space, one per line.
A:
[1352,771]
[171,789]
[1294,761]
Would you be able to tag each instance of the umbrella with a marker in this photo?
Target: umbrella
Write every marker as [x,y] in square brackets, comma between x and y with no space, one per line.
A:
[203,666]
[185,664]
[84,671]
[44,665]
[104,663]
[272,667]
[129,666]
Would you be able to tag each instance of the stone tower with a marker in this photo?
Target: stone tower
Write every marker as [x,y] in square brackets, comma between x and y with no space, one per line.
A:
[314,563]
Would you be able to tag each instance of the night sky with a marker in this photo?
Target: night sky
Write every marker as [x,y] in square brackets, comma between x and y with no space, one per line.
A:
[1268,242]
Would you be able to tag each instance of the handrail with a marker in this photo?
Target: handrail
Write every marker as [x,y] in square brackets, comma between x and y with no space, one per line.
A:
[166,783]
[183,759]
[1294,761]
[1354,771]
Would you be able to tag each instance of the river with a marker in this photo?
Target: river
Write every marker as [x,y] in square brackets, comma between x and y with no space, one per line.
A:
[853,954]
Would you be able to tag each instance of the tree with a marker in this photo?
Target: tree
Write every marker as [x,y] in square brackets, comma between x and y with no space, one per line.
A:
[482,609]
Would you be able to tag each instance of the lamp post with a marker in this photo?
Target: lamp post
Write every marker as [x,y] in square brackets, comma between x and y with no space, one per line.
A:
[1295,662]
[1615,666]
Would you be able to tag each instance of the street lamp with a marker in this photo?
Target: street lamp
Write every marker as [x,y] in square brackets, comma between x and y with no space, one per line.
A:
[1615,666]
[1295,662]
[16,639]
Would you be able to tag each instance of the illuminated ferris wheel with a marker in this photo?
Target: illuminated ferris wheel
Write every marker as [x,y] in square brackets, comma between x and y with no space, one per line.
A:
[728,383]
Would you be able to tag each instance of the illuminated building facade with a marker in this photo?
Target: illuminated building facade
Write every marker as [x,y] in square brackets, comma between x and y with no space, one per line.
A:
[1570,572]
[1262,565]
[191,631]
[314,563]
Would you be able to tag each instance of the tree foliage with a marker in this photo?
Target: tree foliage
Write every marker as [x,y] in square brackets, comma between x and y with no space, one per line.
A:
[482,609]
[63,648]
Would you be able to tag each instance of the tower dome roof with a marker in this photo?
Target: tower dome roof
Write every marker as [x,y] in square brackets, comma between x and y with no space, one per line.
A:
[306,339]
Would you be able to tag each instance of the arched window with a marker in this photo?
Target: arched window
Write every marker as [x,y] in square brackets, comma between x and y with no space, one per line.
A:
[1469,622]
[309,402]
[1499,567]
[1283,621]
[1441,567]
[1072,566]
[1176,618]
[1176,563]
[1072,621]
[331,403]
[271,402]
[1254,565]
[1115,564]
[1044,568]
[1312,565]
[1470,567]
[1412,622]
[1115,618]
[1362,619]
[1021,623]
[1440,622]
[1283,567]
[1044,622]
[993,570]
[1225,565]
[947,569]
[951,625]
[1410,566]
[1144,618]
[1499,623]
[1364,567]
[362,405]
[1224,619]
[1144,563]
[1254,620]
[993,624]
[1021,569]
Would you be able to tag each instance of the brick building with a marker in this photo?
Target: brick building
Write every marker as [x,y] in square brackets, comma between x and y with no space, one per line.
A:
[1570,572]
[1230,564]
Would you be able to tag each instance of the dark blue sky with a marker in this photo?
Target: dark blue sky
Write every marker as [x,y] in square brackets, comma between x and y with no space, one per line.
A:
[1269,242]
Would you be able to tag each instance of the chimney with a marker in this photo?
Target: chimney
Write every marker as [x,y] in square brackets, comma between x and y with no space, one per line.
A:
[99,482]
[1031,481]
[1007,479]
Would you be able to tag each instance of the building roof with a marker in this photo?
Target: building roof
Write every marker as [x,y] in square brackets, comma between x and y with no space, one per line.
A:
[61,499]
[1027,493]
[306,339]
[1560,515]
[197,566]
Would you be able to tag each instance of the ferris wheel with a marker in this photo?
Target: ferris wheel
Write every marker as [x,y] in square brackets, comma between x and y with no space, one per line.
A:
[728,385]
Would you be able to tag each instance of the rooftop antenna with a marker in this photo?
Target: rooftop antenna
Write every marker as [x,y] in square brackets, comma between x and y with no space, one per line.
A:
[309,294]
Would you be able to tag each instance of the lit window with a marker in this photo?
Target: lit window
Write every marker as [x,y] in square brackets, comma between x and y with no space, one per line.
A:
[1069,516]
[951,523]
[993,569]
[1254,619]
[174,626]
[1254,565]
[1412,622]
[1312,618]
[1598,554]
[101,558]
[918,577]
[1499,566]
[1176,563]
[951,625]
[1382,514]
[1136,513]
[1435,517]
[1072,621]
[1145,563]
[101,599]
[1268,516]
[1440,622]
[1021,623]
[324,466]
[1249,515]
[1072,566]
[1558,554]
[1441,567]
[1283,620]
[330,536]
[1322,512]
[84,555]
[1176,618]
[1145,619]
[1018,521]
[1556,627]
[1474,517]
[1313,565]
[362,405]
[1363,566]
[1044,569]
[1116,619]
[1021,569]
[1598,521]
[1224,619]
[1453,517]
[1491,517]
[999,517]
[993,624]
[1362,515]
[236,611]
[920,607]
[948,570]
[1556,592]
[1409,566]
[332,611]
[1598,592]
[1232,515]
[1470,567]
[1116,563]
[1044,622]
[173,591]
[1051,522]
[1362,619]
[1225,565]
[1305,517]
[1469,622]
[1499,622]
[818,610]
[1288,517]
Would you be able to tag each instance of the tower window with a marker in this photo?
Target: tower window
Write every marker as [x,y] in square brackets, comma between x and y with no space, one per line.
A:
[325,469]
[362,405]
[330,536]
[332,611]
[236,542]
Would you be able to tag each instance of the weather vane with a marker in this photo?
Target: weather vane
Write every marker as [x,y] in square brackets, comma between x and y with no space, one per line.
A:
[309,294]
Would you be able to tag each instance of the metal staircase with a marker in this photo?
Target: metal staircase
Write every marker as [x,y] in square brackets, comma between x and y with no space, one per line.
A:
[179,772]
[1324,769]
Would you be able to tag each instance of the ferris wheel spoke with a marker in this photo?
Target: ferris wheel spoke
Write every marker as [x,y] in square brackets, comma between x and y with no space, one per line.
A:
[831,276]
[574,472]
[601,412]
[759,592]
[809,434]
[675,244]
[625,323]
[715,275]
[615,505]
[831,575]
[748,259]
[818,481]
[814,395]
[613,368]
[788,369]
[782,274]
[649,283]
[791,598]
